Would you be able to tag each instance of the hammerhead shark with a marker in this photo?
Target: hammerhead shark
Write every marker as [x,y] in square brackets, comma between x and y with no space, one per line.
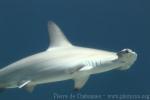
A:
[63,61]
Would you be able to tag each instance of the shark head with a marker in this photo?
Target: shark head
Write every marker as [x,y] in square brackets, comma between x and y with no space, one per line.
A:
[127,57]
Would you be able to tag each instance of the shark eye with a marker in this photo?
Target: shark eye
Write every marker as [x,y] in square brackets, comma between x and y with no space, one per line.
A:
[126,51]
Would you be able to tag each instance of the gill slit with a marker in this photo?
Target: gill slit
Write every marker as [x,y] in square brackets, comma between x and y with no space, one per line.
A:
[93,62]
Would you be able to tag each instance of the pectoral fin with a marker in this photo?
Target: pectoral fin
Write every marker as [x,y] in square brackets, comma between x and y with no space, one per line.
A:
[79,82]
[81,77]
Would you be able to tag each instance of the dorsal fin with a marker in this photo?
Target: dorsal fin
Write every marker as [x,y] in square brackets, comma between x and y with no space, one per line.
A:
[56,36]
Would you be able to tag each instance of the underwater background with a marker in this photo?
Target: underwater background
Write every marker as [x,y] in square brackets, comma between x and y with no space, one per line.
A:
[103,24]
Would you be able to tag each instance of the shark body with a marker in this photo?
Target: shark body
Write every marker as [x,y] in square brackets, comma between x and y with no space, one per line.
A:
[63,61]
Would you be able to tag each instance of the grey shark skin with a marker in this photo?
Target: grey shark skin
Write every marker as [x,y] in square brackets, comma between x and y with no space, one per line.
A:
[63,61]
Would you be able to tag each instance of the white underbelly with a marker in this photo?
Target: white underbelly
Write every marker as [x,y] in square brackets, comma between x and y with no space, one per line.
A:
[51,79]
